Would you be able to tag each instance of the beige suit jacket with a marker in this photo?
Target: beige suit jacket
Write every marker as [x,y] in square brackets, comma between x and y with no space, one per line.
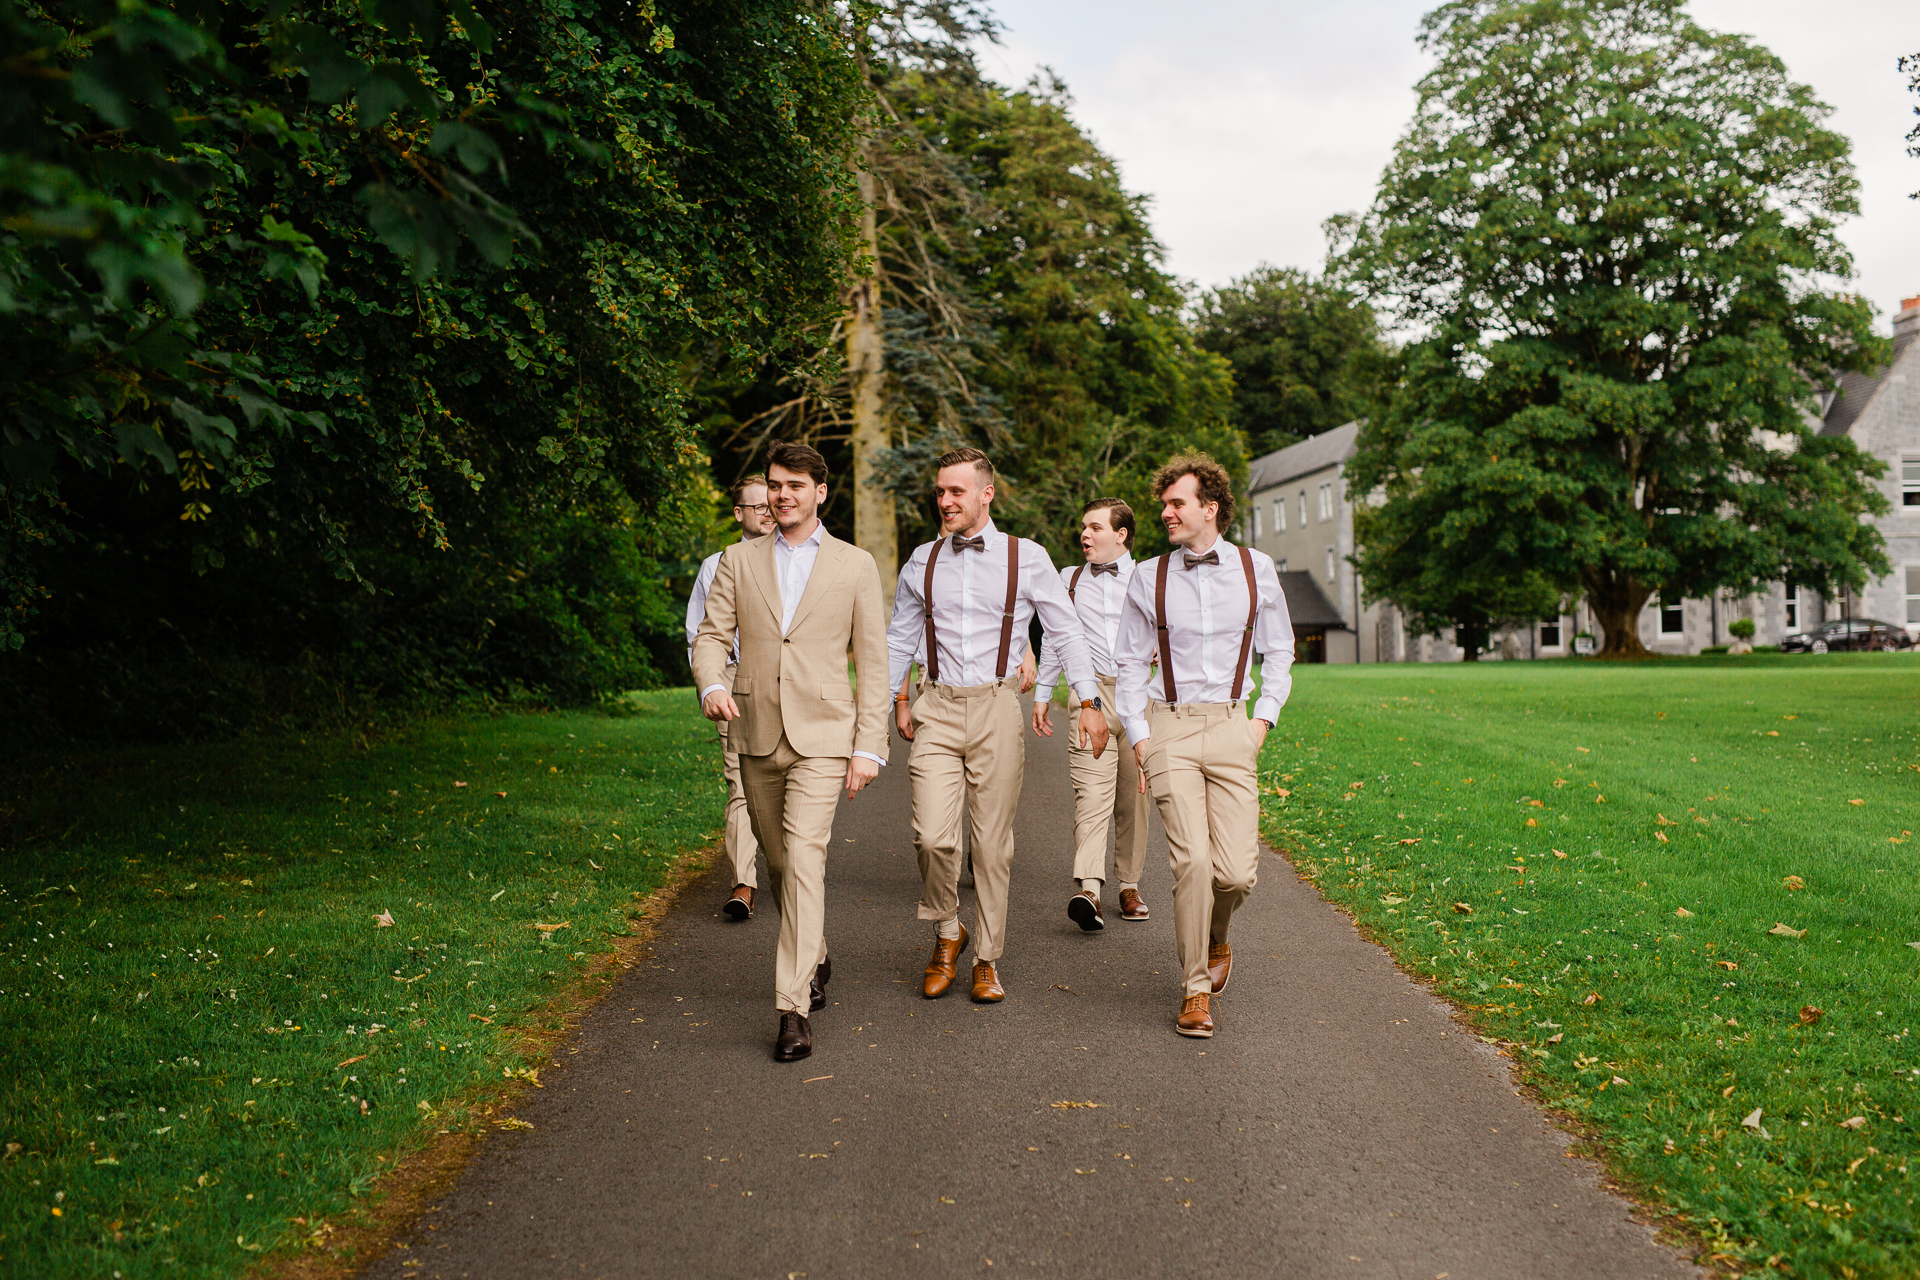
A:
[797,683]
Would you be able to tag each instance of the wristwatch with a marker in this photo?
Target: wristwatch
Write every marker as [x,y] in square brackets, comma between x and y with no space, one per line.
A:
[1092,703]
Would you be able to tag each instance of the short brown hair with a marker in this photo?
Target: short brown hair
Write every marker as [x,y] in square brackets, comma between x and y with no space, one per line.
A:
[745,483]
[1212,478]
[955,457]
[1122,516]
[791,456]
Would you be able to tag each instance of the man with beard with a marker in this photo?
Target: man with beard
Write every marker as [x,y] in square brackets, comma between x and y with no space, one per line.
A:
[968,597]
[1203,610]
[755,518]
[801,602]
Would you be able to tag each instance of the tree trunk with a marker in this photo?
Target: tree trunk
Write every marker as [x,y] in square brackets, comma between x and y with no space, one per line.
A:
[1616,601]
[873,517]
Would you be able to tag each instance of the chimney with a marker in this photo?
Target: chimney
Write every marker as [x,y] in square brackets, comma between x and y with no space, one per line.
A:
[1907,319]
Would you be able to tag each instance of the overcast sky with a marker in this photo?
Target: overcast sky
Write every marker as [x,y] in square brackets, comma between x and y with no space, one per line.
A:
[1249,122]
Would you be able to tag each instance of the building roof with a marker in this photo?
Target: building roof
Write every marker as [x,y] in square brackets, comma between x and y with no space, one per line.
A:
[1858,389]
[1307,605]
[1315,453]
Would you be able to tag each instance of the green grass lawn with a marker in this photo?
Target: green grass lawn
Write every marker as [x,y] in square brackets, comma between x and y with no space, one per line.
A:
[1593,859]
[209,1043]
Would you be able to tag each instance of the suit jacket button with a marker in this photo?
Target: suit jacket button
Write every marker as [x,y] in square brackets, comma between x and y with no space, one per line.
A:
[787,640]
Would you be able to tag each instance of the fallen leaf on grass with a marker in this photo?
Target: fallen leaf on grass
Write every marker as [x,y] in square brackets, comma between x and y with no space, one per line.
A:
[1753,1120]
[1810,1015]
[384,920]
[1914,945]
[1462,909]
[1683,913]
[1661,836]
[1783,931]
[501,794]
[1668,1149]
[511,1122]
[1853,1122]
[350,1061]
[1533,822]
[1617,1080]
[1794,882]
[1662,820]
[1538,804]
[1856,802]
[1855,1165]
[596,866]
[1558,854]
[1414,840]
[496,897]
[549,928]
[1393,899]
[478,1018]
[1727,964]
[1556,1037]
[1074,1106]
[459,784]
[1593,997]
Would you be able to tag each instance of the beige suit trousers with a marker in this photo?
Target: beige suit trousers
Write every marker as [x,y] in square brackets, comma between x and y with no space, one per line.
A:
[1106,791]
[1202,768]
[742,849]
[791,799]
[969,751]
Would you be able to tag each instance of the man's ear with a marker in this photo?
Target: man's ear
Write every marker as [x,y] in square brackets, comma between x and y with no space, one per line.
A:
[986,494]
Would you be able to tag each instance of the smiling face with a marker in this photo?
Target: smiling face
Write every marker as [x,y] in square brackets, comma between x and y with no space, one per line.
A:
[796,501]
[1102,543]
[755,517]
[965,502]
[1189,521]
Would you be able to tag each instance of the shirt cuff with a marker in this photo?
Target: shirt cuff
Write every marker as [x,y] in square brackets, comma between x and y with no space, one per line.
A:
[1043,693]
[709,689]
[1137,731]
[1267,709]
[868,755]
[1086,690]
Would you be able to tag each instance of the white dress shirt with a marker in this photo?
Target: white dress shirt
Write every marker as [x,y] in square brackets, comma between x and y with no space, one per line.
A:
[1097,601]
[1206,618]
[793,566]
[969,597]
[697,605]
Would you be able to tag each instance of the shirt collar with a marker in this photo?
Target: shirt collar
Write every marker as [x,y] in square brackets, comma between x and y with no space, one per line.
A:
[1219,540]
[819,528]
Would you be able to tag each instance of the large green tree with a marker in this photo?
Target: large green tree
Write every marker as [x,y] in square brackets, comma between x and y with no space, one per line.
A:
[1307,355]
[1612,227]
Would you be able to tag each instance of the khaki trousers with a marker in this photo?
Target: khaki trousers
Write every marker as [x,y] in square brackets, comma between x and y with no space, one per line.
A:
[791,800]
[742,848]
[1106,790]
[968,752]
[1201,767]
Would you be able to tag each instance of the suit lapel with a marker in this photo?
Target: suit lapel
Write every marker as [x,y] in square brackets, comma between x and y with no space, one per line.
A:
[826,568]
[766,575]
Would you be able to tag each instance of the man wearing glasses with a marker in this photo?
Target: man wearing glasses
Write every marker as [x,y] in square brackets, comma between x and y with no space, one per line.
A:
[755,518]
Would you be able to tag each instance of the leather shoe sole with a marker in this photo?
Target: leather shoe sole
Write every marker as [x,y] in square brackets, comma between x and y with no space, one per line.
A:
[1084,910]
[739,908]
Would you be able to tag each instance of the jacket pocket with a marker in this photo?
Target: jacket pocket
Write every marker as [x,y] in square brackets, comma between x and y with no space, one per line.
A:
[836,691]
[742,686]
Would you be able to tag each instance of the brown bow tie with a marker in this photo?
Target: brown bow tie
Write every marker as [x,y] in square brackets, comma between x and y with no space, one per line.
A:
[1112,567]
[962,544]
[1212,557]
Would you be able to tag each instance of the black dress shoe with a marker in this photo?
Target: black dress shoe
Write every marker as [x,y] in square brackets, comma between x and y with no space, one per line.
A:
[795,1040]
[819,986]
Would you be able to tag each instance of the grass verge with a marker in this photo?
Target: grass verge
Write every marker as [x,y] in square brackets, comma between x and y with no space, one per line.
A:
[212,1047]
[1598,860]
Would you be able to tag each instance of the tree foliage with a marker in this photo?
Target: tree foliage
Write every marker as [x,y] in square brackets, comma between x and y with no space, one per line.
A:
[472,470]
[1611,225]
[1306,354]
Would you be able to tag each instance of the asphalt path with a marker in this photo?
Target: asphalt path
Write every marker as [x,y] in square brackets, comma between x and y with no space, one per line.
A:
[1339,1123]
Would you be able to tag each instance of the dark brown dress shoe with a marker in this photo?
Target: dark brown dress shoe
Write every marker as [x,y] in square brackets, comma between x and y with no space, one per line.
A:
[1131,908]
[1196,1017]
[1219,965]
[740,905]
[795,1040]
[819,985]
[943,968]
[986,984]
[1084,910]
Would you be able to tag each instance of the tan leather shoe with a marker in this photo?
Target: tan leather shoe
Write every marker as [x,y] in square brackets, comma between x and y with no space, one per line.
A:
[1131,908]
[1196,1017]
[1219,965]
[740,905]
[986,984]
[941,970]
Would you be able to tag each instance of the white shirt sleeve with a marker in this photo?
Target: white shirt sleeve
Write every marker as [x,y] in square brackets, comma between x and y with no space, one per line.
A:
[1060,624]
[908,629]
[1048,664]
[1137,652]
[1273,637]
[697,602]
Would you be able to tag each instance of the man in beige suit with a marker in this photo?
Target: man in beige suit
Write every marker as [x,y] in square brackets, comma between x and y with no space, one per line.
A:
[802,602]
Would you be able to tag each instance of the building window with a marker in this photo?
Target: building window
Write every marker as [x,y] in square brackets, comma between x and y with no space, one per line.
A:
[1279,515]
[1793,606]
[1326,502]
[1910,482]
[1913,595]
[1256,522]
[1550,634]
[1303,508]
[1673,617]
[1330,564]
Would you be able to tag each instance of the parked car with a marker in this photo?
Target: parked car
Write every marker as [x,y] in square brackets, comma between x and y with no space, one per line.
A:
[1848,633]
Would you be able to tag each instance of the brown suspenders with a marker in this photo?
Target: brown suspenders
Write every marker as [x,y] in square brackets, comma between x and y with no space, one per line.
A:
[1006,616]
[1074,585]
[1166,645]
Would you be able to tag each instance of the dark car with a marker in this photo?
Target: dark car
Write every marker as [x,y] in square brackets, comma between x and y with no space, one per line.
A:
[1848,633]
